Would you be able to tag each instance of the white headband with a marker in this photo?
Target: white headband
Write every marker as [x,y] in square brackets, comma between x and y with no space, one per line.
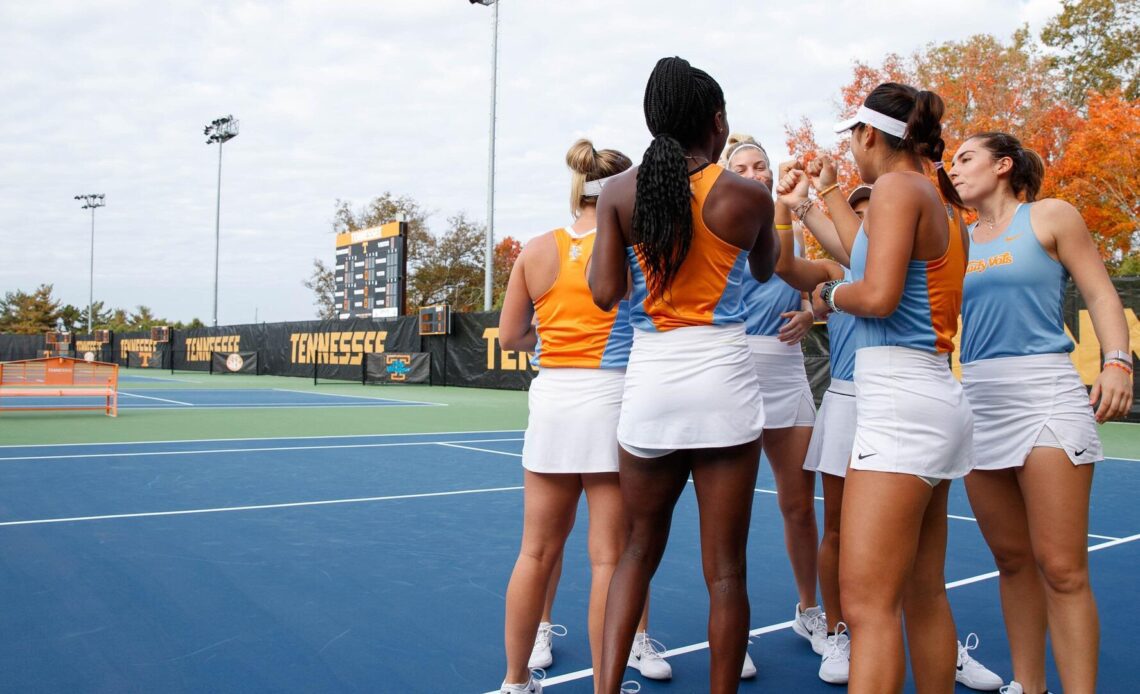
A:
[593,189]
[743,145]
[889,125]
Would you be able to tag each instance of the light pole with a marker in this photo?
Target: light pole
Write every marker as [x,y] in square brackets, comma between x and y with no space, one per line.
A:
[90,202]
[489,250]
[220,130]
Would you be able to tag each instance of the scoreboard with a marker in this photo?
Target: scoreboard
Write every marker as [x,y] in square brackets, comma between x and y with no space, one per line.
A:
[371,272]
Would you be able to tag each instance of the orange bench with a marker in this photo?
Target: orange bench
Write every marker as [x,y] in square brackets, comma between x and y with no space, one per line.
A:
[60,377]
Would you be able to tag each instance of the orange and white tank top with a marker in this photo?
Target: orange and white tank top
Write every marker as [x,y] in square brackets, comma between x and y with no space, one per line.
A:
[572,331]
[708,288]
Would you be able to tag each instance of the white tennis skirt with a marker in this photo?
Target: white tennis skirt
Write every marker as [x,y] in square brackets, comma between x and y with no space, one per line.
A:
[1015,399]
[913,417]
[834,432]
[572,426]
[783,382]
[692,387]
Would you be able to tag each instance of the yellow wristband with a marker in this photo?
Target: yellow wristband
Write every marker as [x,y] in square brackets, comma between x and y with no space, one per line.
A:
[828,189]
[783,227]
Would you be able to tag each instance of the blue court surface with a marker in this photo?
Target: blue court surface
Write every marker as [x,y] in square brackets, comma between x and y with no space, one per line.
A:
[379,564]
[215,398]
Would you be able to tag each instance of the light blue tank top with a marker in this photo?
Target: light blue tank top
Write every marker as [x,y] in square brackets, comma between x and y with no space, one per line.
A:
[926,317]
[840,336]
[765,301]
[1012,296]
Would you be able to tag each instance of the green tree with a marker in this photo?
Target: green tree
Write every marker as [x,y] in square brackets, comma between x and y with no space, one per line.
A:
[450,268]
[144,319]
[29,314]
[323,284]
[74,320]
[1097,41]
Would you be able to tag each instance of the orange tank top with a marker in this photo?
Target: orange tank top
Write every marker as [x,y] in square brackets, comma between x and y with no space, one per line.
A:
[708,288]
[572,331]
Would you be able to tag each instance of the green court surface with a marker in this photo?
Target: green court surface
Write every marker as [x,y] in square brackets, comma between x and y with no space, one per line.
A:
[463,409]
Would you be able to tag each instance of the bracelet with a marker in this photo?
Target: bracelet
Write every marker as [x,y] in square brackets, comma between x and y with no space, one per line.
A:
[827,190]
[1120,365]
[783,227]
[827,294]
[802,209]
[1118,355]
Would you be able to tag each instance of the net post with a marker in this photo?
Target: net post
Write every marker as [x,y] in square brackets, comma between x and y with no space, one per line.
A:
[316,359]
[211,362]
[364,369]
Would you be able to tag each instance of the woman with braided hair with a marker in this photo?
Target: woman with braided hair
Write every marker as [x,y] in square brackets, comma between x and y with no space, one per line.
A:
[686,234]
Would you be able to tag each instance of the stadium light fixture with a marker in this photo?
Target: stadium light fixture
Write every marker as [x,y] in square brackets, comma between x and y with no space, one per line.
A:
[91,201]
[488,251]
[220,130]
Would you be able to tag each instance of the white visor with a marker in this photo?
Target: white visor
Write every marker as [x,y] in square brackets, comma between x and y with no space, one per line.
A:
[881,121]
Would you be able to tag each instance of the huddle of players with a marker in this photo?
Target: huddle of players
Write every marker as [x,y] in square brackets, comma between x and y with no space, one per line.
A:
[676,257]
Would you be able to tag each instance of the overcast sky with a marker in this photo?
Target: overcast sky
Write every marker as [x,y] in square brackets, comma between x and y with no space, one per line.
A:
[350,98]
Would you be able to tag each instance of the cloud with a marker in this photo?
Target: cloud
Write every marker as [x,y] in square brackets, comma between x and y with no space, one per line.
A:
[351,99]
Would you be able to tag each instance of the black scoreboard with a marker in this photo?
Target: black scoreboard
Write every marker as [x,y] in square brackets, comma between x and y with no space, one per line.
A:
[371,272]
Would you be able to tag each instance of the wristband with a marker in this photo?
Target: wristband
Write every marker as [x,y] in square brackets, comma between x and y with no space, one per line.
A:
[827,294]
[1123,357]
[1120,365]
[783,227]
[827,190]
[802,209]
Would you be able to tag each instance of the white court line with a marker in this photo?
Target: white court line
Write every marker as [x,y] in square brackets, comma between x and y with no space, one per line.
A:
[265,438]
[151,397]
[141,454]
[360,397]
[225,509]
[482,450]
[588,672]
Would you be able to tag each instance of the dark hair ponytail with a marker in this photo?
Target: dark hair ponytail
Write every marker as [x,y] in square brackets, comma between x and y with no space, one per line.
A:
[922,112]
[1028,170]
[680,104]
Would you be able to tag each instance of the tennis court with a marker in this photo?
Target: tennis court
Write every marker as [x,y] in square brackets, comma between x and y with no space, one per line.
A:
[305,545]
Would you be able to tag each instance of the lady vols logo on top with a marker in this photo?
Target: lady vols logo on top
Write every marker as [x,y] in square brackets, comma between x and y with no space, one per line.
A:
[572,331]
[707,289]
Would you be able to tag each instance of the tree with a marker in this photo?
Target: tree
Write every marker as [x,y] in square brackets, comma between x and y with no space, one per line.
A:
[1100,172]
[144,319]
[1097,40]
[73,319]
[323,284]
[506,252]
[450,268]
[29,314]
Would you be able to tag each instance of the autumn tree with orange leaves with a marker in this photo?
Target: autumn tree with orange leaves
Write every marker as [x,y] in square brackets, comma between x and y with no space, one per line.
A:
[987,84]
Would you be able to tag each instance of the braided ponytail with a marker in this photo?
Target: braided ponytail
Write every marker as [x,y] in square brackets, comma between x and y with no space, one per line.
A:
[922,112]
[680,104]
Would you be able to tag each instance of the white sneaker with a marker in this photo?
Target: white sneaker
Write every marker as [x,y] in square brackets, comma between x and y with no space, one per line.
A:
[749,669]
[836,662]
[812,625]
[645,656]
[532,686]
[1015,688]
[542,656]
[972,673]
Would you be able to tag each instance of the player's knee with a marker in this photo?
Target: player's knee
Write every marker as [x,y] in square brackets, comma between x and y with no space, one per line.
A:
[1065,574]
[1011,561]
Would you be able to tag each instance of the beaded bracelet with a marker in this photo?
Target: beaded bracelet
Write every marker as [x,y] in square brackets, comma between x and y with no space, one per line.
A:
[802,209]
[827,190]
[1120,365]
